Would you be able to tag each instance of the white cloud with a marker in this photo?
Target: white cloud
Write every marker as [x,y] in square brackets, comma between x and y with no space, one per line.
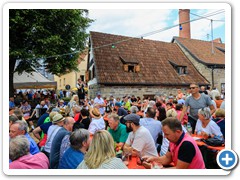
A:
[137,22]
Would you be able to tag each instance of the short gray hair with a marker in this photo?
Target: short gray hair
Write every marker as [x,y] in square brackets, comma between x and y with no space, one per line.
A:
[18,147]
[115,117]
[78,137]
[205,112]
[22,125]
[134,109]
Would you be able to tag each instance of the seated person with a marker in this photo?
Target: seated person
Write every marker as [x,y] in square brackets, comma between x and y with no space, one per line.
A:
[139,142]
[206,127]
[117,130]
[73,156]
[183,150]
[220,120]
[104,157]
[22,158]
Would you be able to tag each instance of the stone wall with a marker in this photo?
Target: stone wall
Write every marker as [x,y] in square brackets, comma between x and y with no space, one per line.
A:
[141,91]
[219,74]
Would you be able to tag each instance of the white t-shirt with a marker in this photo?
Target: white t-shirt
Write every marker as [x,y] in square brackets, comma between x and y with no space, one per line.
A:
[212,128]
[100,101]
[96,124]
[142,141]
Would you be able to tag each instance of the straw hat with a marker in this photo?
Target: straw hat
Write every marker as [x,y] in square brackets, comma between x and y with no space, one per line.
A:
[57,118]
[95,113]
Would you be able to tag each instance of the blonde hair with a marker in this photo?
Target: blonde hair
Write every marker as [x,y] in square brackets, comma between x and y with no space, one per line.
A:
[220,113]
[100,150]
[171,113]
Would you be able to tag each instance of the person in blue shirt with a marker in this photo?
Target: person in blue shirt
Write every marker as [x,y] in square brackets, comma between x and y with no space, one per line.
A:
[20,128]
[11,103]
[74,155]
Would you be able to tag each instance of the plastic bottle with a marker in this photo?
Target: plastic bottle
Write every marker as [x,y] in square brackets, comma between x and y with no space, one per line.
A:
[189,128]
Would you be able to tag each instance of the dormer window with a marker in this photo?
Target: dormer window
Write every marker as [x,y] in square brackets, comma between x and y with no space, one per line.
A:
[180,69]
[130,65]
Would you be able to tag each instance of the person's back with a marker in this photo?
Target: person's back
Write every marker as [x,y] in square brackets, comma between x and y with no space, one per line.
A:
[20,155]
[142,141]
[55,148]
[113,163]
[36,161]
[154,127]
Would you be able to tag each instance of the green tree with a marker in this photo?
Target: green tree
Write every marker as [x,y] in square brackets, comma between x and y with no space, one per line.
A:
[46,33]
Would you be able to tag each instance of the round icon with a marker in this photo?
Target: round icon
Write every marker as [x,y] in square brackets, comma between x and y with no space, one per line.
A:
[227,159]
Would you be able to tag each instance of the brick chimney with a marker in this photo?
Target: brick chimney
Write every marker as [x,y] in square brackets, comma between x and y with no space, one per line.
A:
[184,17]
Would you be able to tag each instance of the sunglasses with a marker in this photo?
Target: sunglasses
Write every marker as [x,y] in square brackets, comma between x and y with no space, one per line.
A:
[192,87]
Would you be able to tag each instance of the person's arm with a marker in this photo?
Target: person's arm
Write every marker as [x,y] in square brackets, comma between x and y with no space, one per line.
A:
[127,149]
[33,113]
[212,108]
[164,160]
[36,132]
[184,110]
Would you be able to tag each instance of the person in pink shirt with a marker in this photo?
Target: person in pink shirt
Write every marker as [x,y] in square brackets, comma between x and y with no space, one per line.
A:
[22,159]
[179,108]
[183,151]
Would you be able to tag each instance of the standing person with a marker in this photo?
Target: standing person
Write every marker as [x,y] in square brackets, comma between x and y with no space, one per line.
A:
[195,102]
[81,90]
[99,103]
[101,153]
[21,157]
[183,150]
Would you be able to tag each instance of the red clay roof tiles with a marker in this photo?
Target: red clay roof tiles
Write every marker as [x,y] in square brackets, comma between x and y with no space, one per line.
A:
[152,56]
[202,50]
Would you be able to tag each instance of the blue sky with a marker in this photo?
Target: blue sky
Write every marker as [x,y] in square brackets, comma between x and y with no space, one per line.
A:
[129,22]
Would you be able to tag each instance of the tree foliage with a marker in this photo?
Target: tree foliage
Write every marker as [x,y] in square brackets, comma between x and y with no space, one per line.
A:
[45,33]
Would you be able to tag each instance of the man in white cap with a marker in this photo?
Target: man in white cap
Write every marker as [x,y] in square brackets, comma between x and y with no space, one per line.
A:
[99,103]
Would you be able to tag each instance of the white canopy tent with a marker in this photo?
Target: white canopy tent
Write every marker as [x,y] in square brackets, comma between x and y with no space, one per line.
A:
[33,80]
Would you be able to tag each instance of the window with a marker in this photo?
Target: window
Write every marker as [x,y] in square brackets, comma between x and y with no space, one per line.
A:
[64,83]
[179,68]
[130,68]
[60,83]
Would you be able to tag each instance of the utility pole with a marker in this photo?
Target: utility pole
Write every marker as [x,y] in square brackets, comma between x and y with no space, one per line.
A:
[212,35]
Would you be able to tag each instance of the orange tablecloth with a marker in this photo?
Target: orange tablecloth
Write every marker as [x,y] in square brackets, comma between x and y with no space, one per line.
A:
[201,143]
[132,163]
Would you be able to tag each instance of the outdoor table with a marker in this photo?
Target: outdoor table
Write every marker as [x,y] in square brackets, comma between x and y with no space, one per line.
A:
[201,143]
[132,163]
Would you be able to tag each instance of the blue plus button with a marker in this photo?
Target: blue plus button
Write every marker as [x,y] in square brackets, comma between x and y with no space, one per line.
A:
[227,159]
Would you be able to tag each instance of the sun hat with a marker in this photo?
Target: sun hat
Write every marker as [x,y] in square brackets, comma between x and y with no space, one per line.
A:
[57,118]
[95,113]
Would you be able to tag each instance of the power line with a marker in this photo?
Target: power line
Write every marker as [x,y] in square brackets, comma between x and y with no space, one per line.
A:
[139,36]
[206,18]
[160,30]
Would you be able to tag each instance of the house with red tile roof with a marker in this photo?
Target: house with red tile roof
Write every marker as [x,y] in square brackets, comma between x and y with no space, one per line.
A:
[121,65]
[207,57]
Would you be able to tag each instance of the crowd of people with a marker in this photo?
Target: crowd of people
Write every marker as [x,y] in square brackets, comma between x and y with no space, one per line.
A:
[101,132]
